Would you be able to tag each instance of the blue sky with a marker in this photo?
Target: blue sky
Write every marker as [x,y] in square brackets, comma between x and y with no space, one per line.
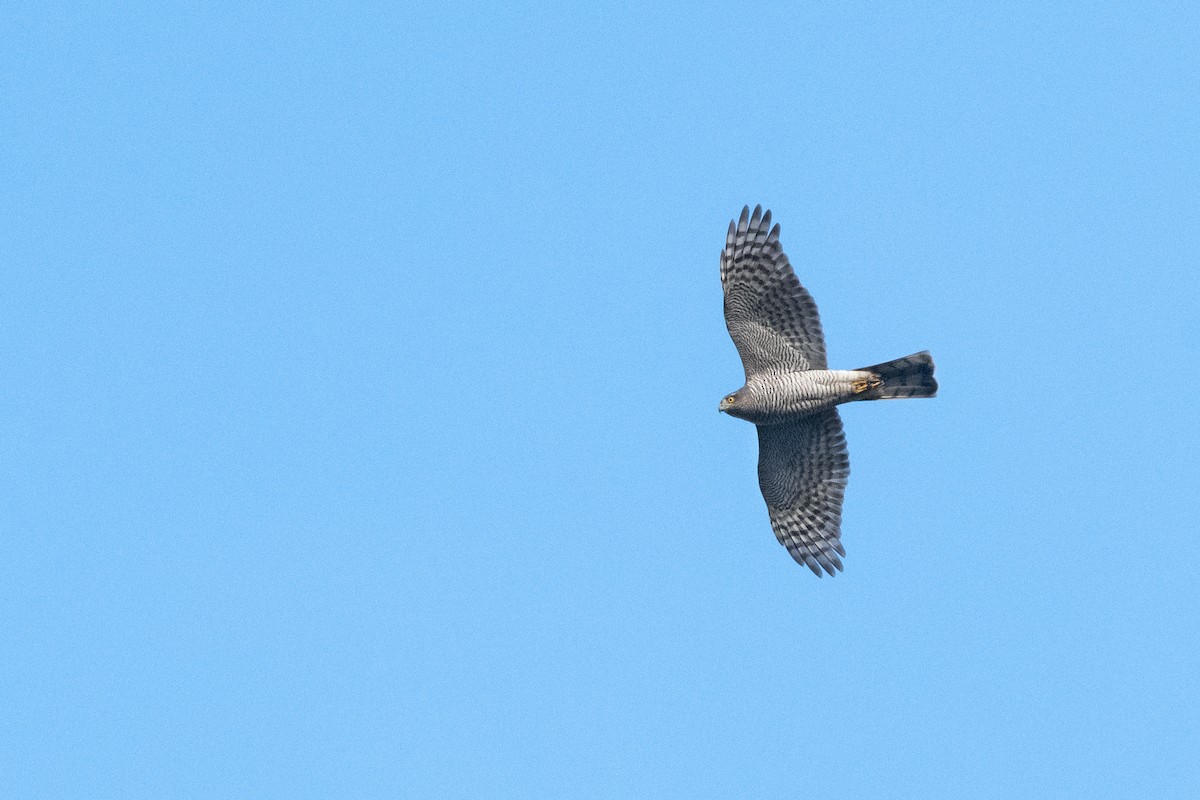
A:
[360,381]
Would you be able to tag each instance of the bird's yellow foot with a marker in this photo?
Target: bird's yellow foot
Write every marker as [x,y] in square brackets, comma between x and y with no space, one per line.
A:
[861,386]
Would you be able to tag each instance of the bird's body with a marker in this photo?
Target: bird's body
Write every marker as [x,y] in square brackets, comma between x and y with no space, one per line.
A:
[792,396]
[775,399]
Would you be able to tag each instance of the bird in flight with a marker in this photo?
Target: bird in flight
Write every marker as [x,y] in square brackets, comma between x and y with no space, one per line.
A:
[791,394]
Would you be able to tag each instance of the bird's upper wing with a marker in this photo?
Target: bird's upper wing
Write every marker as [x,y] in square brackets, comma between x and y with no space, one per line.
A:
[772,319]
[802,471]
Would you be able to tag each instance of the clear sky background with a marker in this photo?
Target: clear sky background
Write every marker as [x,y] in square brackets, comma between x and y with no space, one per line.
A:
[359,376]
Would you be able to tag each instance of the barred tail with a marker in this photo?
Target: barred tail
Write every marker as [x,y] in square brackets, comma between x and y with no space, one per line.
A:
[911,376]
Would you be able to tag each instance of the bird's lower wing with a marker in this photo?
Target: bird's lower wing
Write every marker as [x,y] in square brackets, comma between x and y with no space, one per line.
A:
[802,471]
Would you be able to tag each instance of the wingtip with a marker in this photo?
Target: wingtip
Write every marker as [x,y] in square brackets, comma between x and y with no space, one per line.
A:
[820,563]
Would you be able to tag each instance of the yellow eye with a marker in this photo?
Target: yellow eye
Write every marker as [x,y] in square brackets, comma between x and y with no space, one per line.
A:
[729,399]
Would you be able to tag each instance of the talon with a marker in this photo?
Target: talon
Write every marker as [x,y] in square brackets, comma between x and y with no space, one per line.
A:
[861,386]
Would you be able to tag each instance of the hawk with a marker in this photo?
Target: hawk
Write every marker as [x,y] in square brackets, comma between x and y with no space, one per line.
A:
[792,395]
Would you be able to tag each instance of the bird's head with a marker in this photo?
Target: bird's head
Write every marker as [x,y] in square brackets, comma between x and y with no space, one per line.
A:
[729,403]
